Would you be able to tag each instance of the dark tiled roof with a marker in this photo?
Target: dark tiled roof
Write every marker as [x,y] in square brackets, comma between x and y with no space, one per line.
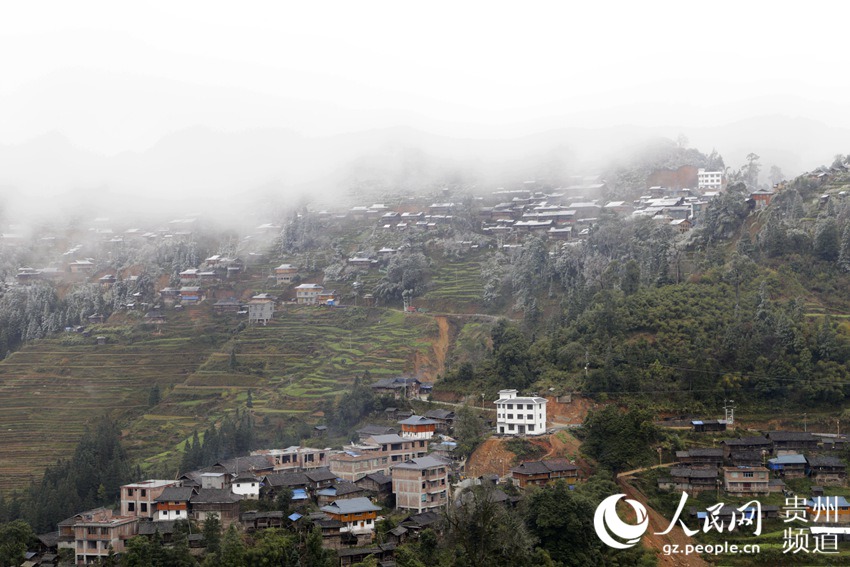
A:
[689,472]
[791,436]
[215,496]
[747,456]
[531,467]
[287,479]
[376,430]
[826,462]
[175,494]
[150,528]
[544,467]
[559,465]
[397,382]
[245,464]
[50,539]
[320,475]
[379,478]
[328,523]
[440,414]
[698,452]
[747,441]
[344,487]
[423,519]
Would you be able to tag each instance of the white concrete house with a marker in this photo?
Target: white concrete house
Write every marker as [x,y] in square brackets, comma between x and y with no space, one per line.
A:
[520,415]
[709,180]
[308,293]
[261,309]
[247,486]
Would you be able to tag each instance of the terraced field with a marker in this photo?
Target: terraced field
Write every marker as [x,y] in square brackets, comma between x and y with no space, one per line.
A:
[51,389]
[304,356]
[48,391]
[309,353]
[457,281]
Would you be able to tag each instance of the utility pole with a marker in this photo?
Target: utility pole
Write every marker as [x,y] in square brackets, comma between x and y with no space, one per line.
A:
[729,411]
[586,361]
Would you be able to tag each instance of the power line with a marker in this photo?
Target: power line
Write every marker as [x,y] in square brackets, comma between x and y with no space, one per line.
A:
[721,373]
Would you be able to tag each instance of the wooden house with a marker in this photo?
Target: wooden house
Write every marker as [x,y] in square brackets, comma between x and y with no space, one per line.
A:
[358,516]
[827,471]
[708,425]
[543,472]
[701,457]
[785,442]
[791,465]
[690,479]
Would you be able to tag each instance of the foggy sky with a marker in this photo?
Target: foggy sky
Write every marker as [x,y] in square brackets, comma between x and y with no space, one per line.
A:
[114,80]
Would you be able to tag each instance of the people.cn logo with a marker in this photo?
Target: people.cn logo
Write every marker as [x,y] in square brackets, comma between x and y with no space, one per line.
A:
[608,523]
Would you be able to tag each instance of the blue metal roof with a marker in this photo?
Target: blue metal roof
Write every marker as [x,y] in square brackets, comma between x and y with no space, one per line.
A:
[793,459]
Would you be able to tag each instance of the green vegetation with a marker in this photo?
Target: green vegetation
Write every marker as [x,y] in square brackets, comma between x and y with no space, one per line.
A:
[619,440]
[91,477]
[524,449]
[168,383]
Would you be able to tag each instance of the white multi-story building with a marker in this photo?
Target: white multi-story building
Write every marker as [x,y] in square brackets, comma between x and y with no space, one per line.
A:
[520,416]
[308,293]
[261,308]
[709,180]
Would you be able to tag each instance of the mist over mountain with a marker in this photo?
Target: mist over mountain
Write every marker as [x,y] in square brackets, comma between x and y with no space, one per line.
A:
[202,165]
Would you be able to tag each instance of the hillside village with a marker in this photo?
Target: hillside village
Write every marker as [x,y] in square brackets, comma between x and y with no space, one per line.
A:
[409,472]
[398,470]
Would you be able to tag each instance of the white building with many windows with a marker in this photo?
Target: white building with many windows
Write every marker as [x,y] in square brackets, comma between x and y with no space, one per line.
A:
[709,180]
[308,293]
[520,416]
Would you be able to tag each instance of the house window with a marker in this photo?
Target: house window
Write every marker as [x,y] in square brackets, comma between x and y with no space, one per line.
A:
[530,417]
[144,492]
[92,544]
[511,426]
[177,513]
[748,475]
[131,507]
[91,531]
[531,428]
[510,416]
[144,506]
[529,406]
[129,492]
[510,406]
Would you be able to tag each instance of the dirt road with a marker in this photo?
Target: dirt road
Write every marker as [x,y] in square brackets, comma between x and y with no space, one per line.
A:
[657,523]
